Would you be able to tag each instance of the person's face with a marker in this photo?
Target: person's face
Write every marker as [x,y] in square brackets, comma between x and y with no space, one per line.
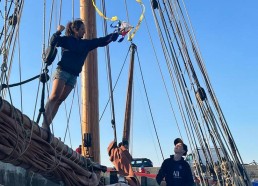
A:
[179,149]
[80,32]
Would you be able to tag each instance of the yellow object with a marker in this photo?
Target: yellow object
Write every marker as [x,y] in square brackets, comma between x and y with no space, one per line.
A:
[132,33]
[114,18]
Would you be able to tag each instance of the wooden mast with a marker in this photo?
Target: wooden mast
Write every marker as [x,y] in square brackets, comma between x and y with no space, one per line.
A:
[89,86]
[127,121]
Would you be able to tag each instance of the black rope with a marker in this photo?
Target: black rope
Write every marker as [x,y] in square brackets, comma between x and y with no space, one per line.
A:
[41,76]
[44,77]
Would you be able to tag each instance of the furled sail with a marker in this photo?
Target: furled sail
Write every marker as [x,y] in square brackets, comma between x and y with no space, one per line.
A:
[23,143]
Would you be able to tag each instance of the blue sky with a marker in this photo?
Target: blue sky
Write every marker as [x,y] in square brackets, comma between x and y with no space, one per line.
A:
[227,36]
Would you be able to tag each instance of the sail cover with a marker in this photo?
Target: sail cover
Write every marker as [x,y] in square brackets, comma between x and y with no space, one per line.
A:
[121,159]
[23,143]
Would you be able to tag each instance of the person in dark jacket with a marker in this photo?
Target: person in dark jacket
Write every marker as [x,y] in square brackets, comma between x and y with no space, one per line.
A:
[74,52]
[175,169]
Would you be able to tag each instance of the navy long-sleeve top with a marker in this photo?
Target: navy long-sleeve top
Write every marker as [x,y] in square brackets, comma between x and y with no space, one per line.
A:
[176,173]
[75,51]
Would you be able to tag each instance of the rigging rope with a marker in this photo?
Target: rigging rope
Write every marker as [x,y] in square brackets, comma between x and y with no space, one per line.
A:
[42,156]
[214,128]
[168,60]
[13,22]
[163,79]
[113,121]
[191,103]
[118,77]
[68,117]
[42,110]
[126,9]
[147,97]
[21,137]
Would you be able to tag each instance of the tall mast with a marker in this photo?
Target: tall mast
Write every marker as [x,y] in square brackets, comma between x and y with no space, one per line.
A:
[127,121]
[89,86]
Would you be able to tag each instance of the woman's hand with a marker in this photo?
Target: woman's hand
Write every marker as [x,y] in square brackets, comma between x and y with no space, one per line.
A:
[60,28]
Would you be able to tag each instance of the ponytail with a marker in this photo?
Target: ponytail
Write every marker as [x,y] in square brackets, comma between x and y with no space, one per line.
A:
[73,26]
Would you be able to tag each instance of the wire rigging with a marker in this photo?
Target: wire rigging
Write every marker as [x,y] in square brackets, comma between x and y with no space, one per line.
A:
[202,120]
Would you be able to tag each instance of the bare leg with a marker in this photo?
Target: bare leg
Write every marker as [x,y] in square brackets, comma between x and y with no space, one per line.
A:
[59,93]
[66,91]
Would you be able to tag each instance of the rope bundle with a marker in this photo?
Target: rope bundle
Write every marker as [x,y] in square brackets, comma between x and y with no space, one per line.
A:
[22,143]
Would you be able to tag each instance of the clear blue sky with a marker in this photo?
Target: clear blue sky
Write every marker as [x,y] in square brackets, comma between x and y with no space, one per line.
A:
[226,32]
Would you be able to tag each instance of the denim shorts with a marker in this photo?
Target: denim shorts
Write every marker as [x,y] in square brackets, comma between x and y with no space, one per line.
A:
[65,76]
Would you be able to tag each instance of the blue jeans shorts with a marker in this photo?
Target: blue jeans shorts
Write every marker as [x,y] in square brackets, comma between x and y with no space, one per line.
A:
[65,76]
